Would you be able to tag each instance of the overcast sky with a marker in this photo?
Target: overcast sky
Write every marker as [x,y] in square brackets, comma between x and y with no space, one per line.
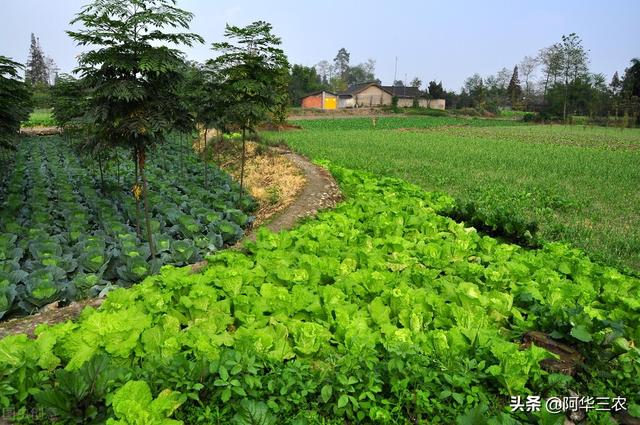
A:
[445,40]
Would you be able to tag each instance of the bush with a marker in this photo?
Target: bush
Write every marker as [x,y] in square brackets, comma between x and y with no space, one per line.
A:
[427,112]
[394,104]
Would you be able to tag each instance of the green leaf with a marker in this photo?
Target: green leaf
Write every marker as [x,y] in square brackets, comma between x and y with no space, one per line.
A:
[326,392]
[342,401]
[580,332]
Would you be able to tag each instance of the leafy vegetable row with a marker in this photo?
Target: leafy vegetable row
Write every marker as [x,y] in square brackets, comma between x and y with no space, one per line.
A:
[63,235]
[381,311]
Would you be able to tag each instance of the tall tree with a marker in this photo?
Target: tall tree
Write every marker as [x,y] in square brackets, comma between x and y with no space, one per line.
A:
[631,82]
[360,74]
[133,76]
[435,90]
[475,87]
[304,80]
[574,64]
[616,88]
[36,69]
[15,101]
[325,71]
[551,60]
[631,90]
[341,63]
[514,90]
[416,82]
[527,68]
[52,70]
[253,69]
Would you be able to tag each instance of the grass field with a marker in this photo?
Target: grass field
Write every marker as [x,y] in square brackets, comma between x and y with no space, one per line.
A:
[40,118]
[579,184]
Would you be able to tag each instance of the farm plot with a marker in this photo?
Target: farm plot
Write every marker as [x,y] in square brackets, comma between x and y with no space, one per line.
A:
[539,183]
[380,311]
[67,233]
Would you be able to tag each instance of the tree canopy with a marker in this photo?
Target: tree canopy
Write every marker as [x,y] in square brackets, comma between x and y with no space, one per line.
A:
[15,101]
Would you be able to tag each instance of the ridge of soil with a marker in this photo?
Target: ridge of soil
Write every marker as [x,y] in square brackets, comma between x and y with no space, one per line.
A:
[320,191]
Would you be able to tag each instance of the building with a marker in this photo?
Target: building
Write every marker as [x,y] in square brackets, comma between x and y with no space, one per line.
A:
[320,100]
[369,95]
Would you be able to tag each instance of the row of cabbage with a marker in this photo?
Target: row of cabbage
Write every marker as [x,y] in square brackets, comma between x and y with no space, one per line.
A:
[381,311]
[64,234]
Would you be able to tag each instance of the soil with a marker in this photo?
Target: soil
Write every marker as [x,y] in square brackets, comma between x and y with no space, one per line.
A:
[320,192]
[317,191]
[50,315]
[40,131]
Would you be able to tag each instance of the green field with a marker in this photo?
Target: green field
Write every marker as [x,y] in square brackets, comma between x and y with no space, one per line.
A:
[40,117]
[579,184]
[381,311]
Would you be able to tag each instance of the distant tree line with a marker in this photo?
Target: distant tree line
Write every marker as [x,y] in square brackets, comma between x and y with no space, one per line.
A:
[565,88]
[556,84]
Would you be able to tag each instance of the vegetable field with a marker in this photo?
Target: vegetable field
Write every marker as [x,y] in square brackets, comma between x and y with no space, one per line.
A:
[381,311]
[559,183]
[66,232]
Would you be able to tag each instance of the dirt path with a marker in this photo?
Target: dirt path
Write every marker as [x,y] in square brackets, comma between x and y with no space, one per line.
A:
[40,131]
[320,192]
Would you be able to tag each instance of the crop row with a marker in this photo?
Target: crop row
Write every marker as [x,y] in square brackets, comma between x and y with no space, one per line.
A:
[393,122]
[381,311]
[63,234]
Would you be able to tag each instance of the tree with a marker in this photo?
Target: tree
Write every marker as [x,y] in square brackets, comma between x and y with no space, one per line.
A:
[69,99]
[616,89]
[15,101]
[416,82]
[133,77]
[435,90]
[304,80]
[36,70]
[631,82]
[52,70]
[474,86]
[527,67]
[325,71]
[341,63]
[369,67]
[360,74]
[514,90]
[551,60]
[574,64]
[631,90]
[252,68]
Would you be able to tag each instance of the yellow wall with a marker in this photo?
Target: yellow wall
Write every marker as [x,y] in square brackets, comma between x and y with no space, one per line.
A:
[330,102]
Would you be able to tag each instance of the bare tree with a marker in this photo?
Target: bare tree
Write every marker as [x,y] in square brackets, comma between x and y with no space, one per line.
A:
[52,70]
[527,68]
[325,71]
[551,60]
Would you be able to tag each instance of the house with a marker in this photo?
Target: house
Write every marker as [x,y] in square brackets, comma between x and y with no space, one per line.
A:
[320,100]
[369,95]
[373,94]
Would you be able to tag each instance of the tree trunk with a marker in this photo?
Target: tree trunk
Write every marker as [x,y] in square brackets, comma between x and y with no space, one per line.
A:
[135,160]
[205,154]
[118,168]
[101,172]
[564,109]
[242,163]
[141,158]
